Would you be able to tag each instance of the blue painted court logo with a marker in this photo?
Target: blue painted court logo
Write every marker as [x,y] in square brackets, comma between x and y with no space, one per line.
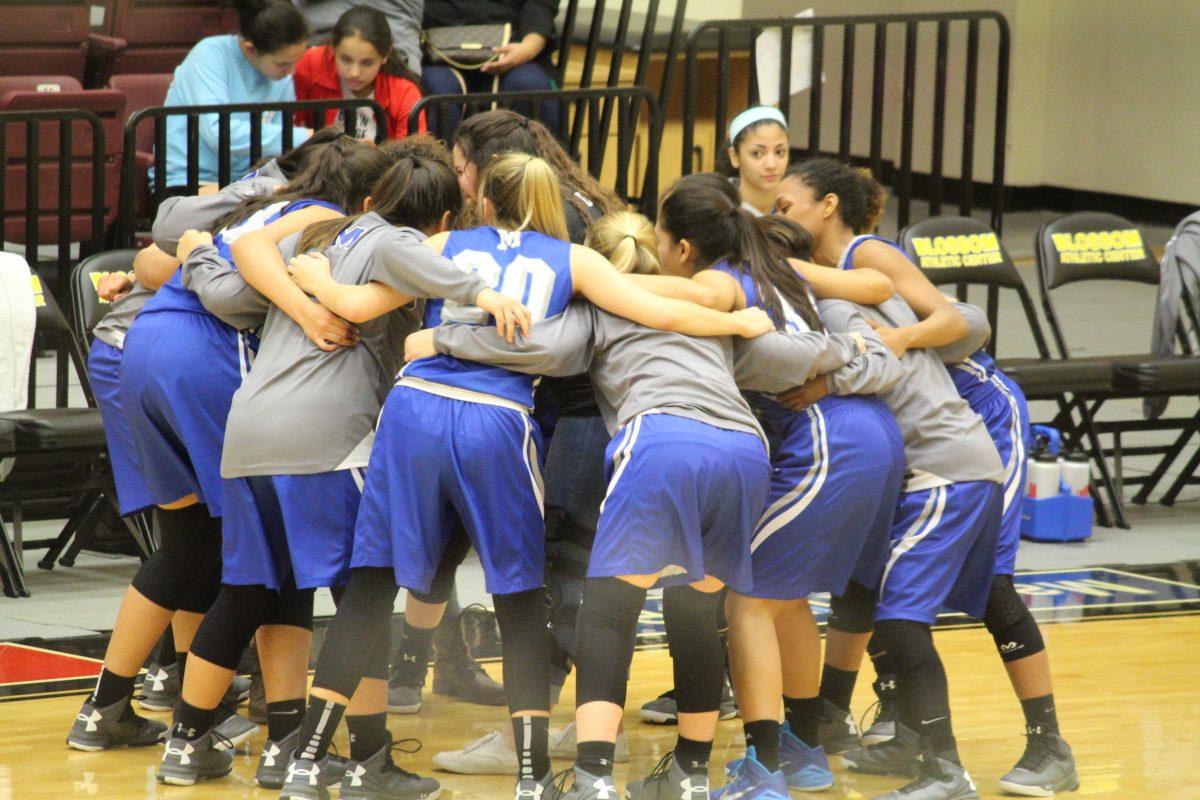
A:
[1052,595]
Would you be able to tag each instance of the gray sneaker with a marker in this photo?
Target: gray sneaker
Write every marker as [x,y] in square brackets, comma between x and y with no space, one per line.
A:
[1046,767]
[896,756]
[404,699]
[668,781]
[591,787]
[306,779]
[232,727]
[186,762]
[114,726]
[548,788]
[883,725]
[836,730]
[273,760]
[238,691]
[378,778]
[160,689]
[663,711]
[940,779]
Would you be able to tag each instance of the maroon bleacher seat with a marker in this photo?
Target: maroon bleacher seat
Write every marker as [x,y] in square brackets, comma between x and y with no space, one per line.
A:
[39,36]
[22,94]
[157,34]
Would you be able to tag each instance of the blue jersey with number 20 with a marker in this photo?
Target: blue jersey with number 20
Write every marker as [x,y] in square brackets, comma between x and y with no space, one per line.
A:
[527,266]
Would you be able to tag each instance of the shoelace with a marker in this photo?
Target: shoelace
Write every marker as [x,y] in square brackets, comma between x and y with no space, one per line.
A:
[220,738]
[883,712]
[1038,753]
[661,768]
[561,779]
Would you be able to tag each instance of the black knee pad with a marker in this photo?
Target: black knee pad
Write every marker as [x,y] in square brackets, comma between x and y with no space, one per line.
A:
[525,641]
[853,611]
[292,607]
[230,623]
[184,573]
[442,585]
[607,631]
[377,664]
[364,617]
[1010,622]
[690,618]
[909,643]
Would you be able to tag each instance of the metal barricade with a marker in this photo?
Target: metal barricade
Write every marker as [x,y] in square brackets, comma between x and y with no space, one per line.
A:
[939,188]
[593,112]
[224,119]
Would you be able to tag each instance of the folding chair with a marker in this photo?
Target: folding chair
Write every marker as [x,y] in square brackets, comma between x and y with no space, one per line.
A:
[964,251]
[1091,246]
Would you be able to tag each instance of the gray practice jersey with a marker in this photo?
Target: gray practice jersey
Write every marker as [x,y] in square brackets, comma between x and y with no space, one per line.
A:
[176,215]
[944,440]
[302,410]
[635,369]
[979,330]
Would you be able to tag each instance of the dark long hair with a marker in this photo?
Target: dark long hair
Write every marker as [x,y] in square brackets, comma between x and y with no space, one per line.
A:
[416,192]
[699,210]
[371,25]
[291,162]
[790,238]
[861,198]
[340,173]
[270,24]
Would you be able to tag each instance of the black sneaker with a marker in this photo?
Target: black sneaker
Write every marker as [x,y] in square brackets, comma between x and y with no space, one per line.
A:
[114,726]
[185,762]
[455,671]
[938,779]
[1047,766]
[836,730]
[378,778]
[406,683]
[896,756]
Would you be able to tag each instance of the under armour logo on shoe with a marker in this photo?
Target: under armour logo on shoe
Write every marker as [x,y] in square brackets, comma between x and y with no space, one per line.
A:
[694,786]
[159,680]
[887,686]
[90,720]
[356,775]
[408,659]
[534,794]
[603,790]
[268,755]
[182,753]
[295,772]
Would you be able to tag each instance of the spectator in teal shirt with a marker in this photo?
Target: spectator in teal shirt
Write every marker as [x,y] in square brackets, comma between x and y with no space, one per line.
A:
[255,66]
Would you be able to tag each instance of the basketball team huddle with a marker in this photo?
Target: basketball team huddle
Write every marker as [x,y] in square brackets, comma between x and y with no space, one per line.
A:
[357,363]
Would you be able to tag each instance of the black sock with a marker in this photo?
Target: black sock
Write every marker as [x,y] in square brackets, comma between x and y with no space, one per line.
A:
[283,717]
[803,717]
[531,738]
[596,758]
[412,657]
[181,660]
[368,735]
[111,688]
[166,650]
[692,755]
[763,736]
[320,721]
[190,722]
[1040,716]
[837,686]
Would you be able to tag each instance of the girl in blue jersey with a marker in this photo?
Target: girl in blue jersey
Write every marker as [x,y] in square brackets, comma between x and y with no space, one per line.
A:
[455,440]
[836,472]
[839,205]
[180,369]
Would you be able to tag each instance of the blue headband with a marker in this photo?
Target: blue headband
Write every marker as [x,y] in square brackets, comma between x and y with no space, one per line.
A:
[753,115]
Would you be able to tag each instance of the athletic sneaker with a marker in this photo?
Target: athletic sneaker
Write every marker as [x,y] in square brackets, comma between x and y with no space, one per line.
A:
[1046,767]
[662,709]
[548,788]
[487,755]
[805,768]
[563,744]
[273,760]
[188,761]
[896,756]
[113,726]
[231,727]
[752,781]
[883,724]
[591,787]
[940,779]
[668,781]
[837,731]
[455,671]
[160,689]
[378,778]
[309,780]
[405,685]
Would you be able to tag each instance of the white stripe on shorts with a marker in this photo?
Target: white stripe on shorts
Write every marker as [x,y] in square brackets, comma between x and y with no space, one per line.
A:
[529,454]
[793,504]
[357,474]
[929,518]
[621,457]
[1017,457]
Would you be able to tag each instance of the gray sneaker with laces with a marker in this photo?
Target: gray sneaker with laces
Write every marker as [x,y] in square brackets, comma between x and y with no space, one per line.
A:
[668,781]
[939,779]
[591,787]
[378,778]
[113,726]
[896,756]
[1046,767]
[185,762]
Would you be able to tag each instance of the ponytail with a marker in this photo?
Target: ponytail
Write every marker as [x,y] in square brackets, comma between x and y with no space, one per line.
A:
[270,25]
[524,193]
[861,198]
[720,230]
[627,240]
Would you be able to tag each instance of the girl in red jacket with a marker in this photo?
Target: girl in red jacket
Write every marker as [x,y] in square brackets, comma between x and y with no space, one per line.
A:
[359,61]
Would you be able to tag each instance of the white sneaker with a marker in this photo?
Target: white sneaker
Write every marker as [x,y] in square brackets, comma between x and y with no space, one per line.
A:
[487,755]
[563,745]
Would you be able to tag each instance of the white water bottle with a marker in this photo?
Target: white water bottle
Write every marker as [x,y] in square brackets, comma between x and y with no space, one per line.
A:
[1076,473]
[1042,475]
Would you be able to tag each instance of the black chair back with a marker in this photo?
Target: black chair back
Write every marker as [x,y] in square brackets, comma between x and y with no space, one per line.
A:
[89,308]
[1091,246]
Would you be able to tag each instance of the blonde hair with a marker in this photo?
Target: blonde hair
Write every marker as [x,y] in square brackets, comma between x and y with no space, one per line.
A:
[524,192]
[627,240]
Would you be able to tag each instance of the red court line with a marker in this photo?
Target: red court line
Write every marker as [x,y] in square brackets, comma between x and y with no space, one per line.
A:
[21,663]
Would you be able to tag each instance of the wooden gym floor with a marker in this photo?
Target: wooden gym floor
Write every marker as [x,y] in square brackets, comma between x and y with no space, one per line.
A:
[1126,688]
